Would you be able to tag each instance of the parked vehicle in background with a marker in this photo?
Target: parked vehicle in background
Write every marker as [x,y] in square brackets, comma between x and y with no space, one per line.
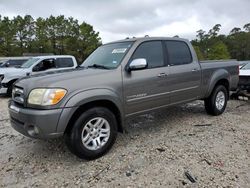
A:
[242,63]
[118,80]
[35,65]
[14,62]
[244,80]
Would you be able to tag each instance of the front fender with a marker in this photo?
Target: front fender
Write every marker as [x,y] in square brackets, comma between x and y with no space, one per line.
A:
[84,97]
[216,76]
[8,78]
[95,94]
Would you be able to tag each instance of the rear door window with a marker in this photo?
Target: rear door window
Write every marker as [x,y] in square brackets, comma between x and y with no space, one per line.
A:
[64,62]
[178,53]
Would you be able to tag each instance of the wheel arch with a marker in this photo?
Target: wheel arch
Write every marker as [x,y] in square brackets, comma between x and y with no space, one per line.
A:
[79,103]
[97,103]
[220,77]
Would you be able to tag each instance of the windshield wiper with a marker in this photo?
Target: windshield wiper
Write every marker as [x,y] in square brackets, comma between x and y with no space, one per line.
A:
[98,66]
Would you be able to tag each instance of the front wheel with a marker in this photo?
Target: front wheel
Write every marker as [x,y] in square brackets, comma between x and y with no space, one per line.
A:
[216,103]
[93,133]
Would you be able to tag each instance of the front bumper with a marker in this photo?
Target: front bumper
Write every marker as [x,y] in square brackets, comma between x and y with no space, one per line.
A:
[3,89]
[244,87]
[35,123]
[244,83]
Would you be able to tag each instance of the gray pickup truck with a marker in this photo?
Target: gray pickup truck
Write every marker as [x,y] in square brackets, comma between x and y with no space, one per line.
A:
[88,105]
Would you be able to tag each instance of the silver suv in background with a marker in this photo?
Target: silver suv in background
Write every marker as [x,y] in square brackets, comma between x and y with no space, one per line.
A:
[35,65]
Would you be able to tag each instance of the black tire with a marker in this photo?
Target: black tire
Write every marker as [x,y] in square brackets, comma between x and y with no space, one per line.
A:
[210,102]
[73,136]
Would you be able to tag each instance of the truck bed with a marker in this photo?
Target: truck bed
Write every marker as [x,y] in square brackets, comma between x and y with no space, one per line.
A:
[211,67]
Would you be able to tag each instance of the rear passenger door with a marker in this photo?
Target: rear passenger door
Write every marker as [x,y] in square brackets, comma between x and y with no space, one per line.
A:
[185,72]
[147,88]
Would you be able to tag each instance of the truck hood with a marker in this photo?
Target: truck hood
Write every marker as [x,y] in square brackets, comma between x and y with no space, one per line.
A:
[73,79]
[12,70]
[244,72]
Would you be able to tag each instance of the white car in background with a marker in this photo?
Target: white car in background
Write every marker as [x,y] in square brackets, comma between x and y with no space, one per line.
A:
[243,63]
[244,78]
[35,65]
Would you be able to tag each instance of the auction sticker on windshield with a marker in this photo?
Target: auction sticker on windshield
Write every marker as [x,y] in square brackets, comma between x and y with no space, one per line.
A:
[119,50]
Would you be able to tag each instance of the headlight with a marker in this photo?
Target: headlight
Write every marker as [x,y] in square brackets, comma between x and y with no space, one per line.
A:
[45,97]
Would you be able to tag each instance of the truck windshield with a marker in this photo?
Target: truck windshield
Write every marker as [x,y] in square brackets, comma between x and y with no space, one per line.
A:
[29,63]
[246,67]
[108,56]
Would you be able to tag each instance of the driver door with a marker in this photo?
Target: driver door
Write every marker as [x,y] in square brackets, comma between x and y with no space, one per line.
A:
[45,65]
[147,89]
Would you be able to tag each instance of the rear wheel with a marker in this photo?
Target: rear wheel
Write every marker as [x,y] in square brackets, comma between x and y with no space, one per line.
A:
[93,133]
[216,103]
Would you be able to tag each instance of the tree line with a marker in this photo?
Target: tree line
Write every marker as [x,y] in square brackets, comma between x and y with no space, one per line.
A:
[61,35]
[56,35]
[212,45]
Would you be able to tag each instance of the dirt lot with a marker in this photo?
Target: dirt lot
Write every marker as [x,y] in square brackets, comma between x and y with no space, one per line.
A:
[156,151]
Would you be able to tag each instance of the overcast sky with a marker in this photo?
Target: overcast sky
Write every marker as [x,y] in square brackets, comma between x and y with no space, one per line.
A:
[117,19]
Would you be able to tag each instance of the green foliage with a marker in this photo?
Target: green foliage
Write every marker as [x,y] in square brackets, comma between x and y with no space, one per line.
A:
[198,52]
[58,35]
[218,51]
[212,45]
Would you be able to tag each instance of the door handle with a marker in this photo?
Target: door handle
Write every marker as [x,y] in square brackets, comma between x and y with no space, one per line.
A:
[163,74]
[194,70]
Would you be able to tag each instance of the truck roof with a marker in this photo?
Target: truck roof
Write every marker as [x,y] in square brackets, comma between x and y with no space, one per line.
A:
[142,39]
[54,56]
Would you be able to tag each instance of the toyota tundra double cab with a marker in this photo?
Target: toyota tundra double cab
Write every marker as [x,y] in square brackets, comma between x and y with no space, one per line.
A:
[90,104]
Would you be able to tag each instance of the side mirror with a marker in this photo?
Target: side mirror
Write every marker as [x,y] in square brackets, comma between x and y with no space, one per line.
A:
[7,64]
[138,64]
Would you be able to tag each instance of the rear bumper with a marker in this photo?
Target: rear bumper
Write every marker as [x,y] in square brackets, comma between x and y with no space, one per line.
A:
[35,123]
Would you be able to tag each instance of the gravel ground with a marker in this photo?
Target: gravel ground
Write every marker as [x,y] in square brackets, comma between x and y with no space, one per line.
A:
[158,150]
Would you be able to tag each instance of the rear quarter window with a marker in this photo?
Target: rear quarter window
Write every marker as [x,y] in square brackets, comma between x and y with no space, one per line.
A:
[178,53]
[64,62]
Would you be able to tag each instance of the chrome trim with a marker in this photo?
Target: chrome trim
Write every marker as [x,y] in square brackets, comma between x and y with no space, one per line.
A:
[159,94]
[187,88]
[159,107]
[148,96]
